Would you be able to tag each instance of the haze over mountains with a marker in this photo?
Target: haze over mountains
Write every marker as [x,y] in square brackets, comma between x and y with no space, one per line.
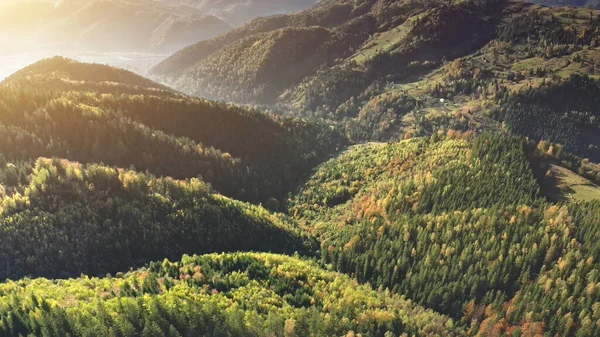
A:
[133,34]
[128,25]
[395,168]
[237,12]
[107,25]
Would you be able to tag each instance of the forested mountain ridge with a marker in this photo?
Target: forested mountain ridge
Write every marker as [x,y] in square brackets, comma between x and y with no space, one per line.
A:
[349,24]
[482,221]
[62,74]
[95,113]
[389,69]
[454,222]
[61,219]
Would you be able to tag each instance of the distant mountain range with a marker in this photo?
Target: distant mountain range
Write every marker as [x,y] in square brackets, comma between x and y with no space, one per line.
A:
[237,12]
[125,25]
[106,25]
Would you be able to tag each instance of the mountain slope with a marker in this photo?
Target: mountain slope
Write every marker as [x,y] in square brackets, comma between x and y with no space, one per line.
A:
[185,59]
[72,219]
[244,294]
[395,69]
[343,19]
[457,224]
[59,107]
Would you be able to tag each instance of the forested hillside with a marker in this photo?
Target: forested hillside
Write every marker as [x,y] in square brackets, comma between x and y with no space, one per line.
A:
[362,41]
[61,219]
[458,224]
[398,168]
[95,113]
[244,294]
[393,69]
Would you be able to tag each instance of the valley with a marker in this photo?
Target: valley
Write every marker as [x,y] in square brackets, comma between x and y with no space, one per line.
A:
[352,168]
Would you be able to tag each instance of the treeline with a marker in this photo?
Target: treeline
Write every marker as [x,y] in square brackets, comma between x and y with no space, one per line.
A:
[214,295]
[72,219]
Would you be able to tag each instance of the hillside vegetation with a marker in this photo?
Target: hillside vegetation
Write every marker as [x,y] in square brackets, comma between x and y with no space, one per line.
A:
[243,294]
[458,224]
[71,219]
[95,113]
[392,69]
[434,166]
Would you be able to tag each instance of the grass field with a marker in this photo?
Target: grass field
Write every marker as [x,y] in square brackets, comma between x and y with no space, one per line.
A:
[564,184]
[386,41]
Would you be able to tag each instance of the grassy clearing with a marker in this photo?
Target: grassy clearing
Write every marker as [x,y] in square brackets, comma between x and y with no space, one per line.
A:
[564,184]
[384,42]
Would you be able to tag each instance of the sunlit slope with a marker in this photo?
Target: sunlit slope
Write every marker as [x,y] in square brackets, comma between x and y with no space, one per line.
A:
[327,14]
[244,294]
[63,74]
[458,225]
[94,113]
[347,27]
[62,219]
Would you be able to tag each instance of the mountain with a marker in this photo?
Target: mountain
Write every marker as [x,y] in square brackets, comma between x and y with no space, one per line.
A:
[459,224]
[96,113]
[243,294]
[421,168]
[106,25]
[393,69]
[238,12]
[337,29]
